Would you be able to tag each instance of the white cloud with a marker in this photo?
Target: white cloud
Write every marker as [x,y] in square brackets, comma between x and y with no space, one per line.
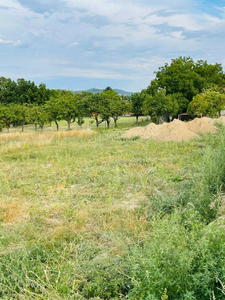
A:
[9,42]
[5,42]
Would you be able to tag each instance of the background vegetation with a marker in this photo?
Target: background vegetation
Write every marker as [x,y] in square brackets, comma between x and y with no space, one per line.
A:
[183,86]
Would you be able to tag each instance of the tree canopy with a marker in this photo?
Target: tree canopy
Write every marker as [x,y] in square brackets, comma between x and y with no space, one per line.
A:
[208,103]
[22,91]
[160,105]
[136,101]
[186,78]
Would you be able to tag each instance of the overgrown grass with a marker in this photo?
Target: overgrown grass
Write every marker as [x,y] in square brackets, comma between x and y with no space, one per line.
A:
[95,216]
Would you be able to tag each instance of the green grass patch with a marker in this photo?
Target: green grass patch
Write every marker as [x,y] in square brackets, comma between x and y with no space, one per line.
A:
[101,217]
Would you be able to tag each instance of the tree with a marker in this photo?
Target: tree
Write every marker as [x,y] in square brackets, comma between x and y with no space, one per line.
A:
[97,106]
[181,101]
[63,105]
[27,92]
[69,107]
[160,105]
[19,114]
[53,109]
[208,103]
[118,107]
[104,107]
[5,117]
[114,106]
[137,100]
[108,88]
[187,78]
[8,92]
[22,91]
[37,115]
[211,74]
[43,94]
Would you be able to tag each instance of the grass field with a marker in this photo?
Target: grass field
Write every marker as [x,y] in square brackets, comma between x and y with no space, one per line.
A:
[88,123]
[86,214]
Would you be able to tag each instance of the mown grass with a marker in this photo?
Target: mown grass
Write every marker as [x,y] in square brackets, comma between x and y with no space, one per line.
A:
[95,216]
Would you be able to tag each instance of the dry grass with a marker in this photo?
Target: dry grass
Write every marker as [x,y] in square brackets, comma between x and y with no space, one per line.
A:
[32,136]
[14,212]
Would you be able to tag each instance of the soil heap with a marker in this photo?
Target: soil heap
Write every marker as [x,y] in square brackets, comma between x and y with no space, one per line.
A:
[176,130]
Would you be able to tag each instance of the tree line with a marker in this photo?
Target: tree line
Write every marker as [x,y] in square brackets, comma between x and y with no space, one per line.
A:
[61,105]
[183,86]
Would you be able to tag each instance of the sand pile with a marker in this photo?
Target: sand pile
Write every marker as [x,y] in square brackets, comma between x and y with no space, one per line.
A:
[176,130]
[202,125]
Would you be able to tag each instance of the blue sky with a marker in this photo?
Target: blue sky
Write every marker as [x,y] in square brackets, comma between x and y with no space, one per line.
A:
[77,45]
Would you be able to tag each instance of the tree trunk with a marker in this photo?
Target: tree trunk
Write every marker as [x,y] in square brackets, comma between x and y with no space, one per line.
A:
[8,128]
[41,126]
[35,126]
[96,120]
[68,122]
[108,121]
[136,118]
[0,128]
[115,120]
[22,127]
[57,125]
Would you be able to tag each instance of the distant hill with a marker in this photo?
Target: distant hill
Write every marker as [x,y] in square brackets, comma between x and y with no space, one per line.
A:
[120,92]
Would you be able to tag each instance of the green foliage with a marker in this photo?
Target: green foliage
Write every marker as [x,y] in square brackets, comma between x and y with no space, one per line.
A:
[137,100]
[80,121]
[181,101]
[53,109]
[37,116]
[22,91]
[5,116]
[160,105]
[187,78]
[186,263]
[8,92]
[98,106]
[206,188]
[19,114]
[208,103]
[68,104]
[117,105]
[108,88]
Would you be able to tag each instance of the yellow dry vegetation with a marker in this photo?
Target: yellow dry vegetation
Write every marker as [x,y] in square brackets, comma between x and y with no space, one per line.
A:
[32,136]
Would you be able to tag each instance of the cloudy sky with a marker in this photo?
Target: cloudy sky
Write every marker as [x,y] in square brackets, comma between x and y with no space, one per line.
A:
[82,44]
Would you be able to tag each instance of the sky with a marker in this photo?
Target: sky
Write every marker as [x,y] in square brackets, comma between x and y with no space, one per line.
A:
[77,45]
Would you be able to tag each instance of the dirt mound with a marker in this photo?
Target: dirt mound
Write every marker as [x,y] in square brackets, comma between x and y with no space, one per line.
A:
[176,130]
[202,125]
